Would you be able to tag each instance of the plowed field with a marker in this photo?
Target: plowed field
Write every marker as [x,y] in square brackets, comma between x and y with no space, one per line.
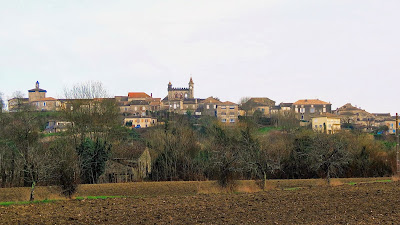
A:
[366,203]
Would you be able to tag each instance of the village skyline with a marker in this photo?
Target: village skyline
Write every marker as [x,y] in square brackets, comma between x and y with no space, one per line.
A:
[342,52]
[149,92]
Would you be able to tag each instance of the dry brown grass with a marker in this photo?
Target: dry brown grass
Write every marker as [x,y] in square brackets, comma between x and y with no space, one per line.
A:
[395,177]
[173,188]
[336,182]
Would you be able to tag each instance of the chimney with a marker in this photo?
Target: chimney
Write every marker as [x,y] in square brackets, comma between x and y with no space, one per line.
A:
[151,95]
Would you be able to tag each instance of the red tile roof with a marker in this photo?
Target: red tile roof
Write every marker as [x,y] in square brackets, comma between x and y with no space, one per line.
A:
[138,95]
[311,102]
[47,99]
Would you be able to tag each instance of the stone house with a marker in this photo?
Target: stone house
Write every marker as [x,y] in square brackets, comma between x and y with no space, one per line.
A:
[307,108]
[55,126]
[47,104]
[264,105]
[326,123]
[140,122]
[208,106]
[228,112]
[136,168]
[391,124]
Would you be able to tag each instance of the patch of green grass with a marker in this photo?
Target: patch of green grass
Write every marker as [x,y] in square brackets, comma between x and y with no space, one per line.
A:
[268,129]
[52,134]
[380,181]
[370,182]
[26,202]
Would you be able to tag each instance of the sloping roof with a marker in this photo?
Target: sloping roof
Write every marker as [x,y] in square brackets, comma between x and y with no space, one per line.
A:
[285,104]
[227,103]
[155,99]
[261,100]
[37,89]
[382,114]
[210,100]
[138,95]
[155,103]
[139,102]
[46,99]
[348,106]
[310,102]
[326,114]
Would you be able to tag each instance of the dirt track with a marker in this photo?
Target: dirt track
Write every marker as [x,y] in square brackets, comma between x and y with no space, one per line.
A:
[354,204]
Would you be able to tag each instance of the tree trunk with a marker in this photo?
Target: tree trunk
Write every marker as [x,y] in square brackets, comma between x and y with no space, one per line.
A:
[264,180]
[328,177]
[32,197]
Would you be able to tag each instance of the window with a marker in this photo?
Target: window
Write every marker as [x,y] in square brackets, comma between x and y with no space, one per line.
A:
[232,120]
[312,110]
[44,103]
[208,106]
[320,126]
[324,110]
[232,113]
[215,106]
[302,110]
[302,117]
[223,107]
[143,108]
[223,120]
[223,113]
[135,108]
[232,107]
[296,110]
[316,126]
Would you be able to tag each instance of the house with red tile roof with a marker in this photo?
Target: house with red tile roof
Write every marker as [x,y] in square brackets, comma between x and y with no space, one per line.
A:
[307,108]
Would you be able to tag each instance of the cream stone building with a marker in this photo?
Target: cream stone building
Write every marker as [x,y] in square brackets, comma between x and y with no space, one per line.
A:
[305,109]
[227,112]
[140,122]
[327,123]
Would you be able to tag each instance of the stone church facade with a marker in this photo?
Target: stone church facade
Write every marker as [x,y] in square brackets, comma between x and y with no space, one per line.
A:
[181,93]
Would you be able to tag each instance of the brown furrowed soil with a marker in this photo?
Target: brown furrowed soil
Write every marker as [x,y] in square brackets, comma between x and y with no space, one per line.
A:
[363,203]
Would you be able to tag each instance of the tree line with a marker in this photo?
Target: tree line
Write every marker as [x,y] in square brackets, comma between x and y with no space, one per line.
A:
[182,148]
[211,150]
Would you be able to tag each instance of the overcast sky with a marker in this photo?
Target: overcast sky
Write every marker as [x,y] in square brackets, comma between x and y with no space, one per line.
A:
[337,51]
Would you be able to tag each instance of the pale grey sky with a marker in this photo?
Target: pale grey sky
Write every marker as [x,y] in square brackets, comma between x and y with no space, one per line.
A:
[338,51]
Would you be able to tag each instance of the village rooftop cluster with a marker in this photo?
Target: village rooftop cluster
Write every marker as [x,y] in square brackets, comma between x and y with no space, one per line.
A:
[138,109]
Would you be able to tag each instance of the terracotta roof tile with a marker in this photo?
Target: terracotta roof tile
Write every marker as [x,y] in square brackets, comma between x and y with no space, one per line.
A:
[47,99]
[311,102]
[138,95]
[155,103]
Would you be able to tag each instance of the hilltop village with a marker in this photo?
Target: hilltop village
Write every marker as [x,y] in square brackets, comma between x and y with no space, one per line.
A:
[139,110]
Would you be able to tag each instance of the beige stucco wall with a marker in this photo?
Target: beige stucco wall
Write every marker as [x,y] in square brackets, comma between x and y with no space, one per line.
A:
[332,125]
